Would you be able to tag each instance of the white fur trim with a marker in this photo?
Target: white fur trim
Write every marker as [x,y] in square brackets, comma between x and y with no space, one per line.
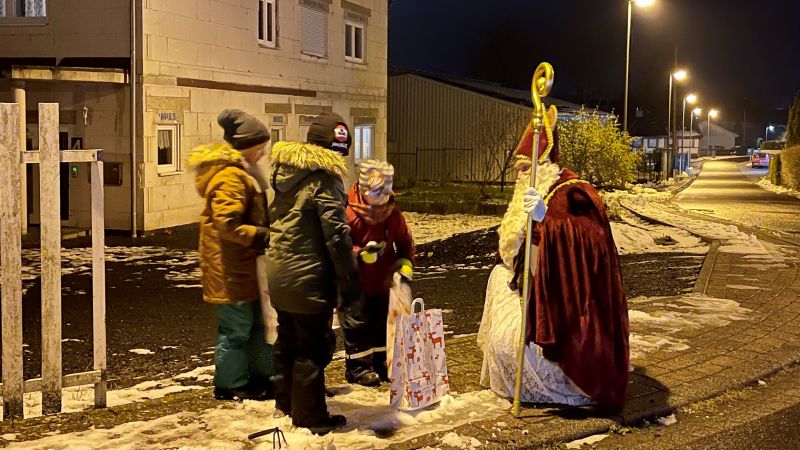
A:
[512,228]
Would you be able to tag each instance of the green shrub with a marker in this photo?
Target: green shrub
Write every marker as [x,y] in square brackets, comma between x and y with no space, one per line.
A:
[775,170]
[597,149]
[790,168]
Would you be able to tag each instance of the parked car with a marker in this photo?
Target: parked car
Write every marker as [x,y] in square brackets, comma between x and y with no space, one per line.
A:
[759,159]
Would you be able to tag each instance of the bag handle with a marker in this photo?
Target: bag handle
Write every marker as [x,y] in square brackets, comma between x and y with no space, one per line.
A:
[417,301]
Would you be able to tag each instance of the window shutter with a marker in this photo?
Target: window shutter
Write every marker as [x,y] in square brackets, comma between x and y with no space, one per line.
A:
[314,34]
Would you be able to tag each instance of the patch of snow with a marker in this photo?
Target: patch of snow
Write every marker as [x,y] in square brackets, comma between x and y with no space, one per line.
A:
[633,236]
[743,287]
[656,321]
[765,184]
[9,437]
[141,351]
[667,421]
[762,383]
[371,424]
[464,442]
[433,227]
[587,441]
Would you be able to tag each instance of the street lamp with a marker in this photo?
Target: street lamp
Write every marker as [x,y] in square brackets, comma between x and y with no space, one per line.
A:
[766,134]
[680,75]
[695,112]
[690,99]
[641,4]
[712,114]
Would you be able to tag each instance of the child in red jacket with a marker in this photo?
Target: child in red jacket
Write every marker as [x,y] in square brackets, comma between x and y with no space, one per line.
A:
[383,245]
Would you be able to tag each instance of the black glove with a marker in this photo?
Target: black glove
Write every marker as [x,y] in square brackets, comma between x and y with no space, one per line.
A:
[261,240]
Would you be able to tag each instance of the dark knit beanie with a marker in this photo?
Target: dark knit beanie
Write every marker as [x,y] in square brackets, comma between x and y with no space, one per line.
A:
[329,130]
[241,129]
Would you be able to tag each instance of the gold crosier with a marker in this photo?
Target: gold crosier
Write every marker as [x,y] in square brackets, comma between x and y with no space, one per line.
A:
[541,85]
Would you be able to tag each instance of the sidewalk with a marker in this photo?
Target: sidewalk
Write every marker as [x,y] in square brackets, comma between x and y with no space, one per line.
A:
[744,326]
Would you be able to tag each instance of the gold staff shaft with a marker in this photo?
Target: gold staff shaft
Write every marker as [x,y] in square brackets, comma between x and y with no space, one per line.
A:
[541,85]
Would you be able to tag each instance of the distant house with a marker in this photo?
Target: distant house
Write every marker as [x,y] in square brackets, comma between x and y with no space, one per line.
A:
[719,138]
[687,141]
[437,125]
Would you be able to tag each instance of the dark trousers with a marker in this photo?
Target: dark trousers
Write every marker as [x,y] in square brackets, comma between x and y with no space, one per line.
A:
[303,350]
[365,343]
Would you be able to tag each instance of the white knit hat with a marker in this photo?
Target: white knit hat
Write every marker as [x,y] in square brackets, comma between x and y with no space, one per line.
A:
[375,181]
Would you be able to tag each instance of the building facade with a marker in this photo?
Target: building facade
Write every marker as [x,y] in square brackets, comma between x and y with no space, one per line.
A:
[283,61]
[716,137]
[444,128]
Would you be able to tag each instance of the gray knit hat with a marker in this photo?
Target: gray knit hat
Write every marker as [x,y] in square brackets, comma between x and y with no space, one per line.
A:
[241,129]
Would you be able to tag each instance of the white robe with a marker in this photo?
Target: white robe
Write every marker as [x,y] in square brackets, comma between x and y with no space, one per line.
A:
[499,334]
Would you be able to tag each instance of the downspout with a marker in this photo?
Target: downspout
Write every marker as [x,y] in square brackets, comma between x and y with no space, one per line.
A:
[134,180]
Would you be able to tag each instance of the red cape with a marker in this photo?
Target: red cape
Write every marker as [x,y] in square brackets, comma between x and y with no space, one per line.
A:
[578,314]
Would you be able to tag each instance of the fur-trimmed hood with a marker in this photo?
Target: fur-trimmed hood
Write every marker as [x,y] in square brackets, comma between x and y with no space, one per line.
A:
[209,159]
[293,161]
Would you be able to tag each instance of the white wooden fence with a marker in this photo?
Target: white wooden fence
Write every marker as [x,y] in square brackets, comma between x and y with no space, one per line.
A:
[49,156]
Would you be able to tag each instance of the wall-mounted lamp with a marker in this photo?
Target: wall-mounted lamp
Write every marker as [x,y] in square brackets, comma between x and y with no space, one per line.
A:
[85,116]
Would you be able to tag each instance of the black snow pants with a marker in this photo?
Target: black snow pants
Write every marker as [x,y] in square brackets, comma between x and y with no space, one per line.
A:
[365,346]
[304,348]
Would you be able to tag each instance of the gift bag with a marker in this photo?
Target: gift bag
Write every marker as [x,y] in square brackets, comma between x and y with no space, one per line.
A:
[267,311]
[399,305]
[419,367]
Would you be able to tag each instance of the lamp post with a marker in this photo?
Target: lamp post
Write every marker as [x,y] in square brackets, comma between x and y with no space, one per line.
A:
[690,99]
[695,112]
[641,4]
[680,75]
[712,114]
[766,133]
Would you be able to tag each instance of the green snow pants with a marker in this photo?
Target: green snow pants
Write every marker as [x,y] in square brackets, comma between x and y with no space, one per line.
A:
[242,355]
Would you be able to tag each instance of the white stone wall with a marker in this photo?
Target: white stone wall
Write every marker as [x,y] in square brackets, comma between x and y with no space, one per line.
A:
[72,28]
[217,41]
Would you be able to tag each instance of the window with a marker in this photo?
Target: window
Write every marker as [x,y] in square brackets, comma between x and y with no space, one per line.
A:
[364,138]
[167,148]
[267,23]
[313,31]
[23,8]
[353,42]
[305,123]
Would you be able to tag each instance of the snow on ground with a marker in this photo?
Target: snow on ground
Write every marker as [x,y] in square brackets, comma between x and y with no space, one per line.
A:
[587,441]
[433,227]
[764,183]
[79,398]
[733,240]
[634,235]
[655,321]
[371,424]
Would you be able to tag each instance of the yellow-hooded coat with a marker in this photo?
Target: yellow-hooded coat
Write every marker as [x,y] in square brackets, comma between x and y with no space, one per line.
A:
[234,215]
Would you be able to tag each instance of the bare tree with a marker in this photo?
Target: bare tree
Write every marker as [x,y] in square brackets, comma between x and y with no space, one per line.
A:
[496,134]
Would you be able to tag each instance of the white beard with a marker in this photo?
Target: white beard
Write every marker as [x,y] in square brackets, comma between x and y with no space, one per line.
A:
[512,228]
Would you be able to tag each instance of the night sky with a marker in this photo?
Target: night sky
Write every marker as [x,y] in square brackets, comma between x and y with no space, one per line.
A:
[741,54]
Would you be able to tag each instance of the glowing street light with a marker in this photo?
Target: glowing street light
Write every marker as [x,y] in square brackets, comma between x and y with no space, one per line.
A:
[690,99]
[695,112]
[766,133]
[641,4]
[713,113]
[679,75]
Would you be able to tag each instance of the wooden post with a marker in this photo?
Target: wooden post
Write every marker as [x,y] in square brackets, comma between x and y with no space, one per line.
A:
[11,260]
[18,88]
[50,200]
[98,282]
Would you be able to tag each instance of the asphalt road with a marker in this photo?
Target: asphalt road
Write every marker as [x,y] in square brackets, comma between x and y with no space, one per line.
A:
[727,189]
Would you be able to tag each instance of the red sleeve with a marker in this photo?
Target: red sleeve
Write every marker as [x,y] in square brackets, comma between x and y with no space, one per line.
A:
[401,235]
[351,222]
